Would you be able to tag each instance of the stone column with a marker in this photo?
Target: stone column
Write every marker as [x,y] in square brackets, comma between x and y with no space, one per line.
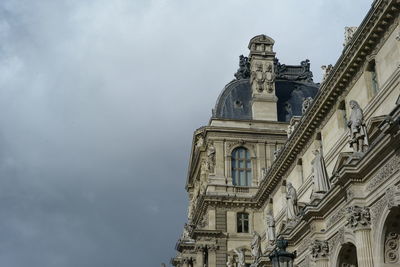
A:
[320,253]
[200,256]
[359,220]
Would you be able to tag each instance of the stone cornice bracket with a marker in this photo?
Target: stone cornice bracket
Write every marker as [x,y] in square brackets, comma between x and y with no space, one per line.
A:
[319,249]
[358,218]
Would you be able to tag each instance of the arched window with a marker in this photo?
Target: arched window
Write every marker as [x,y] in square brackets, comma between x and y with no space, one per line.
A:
[241,167]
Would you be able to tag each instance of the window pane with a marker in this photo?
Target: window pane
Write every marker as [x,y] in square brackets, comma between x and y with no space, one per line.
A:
[247,154]
[241,164]
[242,178]
[241,153]
[248,164]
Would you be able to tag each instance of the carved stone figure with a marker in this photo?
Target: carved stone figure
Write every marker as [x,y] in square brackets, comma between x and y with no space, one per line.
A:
[269,77]
[292,125]
[319,249]
[244,68]
[211,157]
[230,262]
[241,256]
[199,142]
[256,246]
[277,152]
[270,223]
[306,104]
[348,34]
[204,166]
[357,130]
[289,111]
[358,217]
[319,173]
[258,76]
[264,172]
[325,71]
[292,208]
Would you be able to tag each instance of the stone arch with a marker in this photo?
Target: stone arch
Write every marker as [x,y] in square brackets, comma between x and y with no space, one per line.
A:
[384,210]
[346,255]
[343,237]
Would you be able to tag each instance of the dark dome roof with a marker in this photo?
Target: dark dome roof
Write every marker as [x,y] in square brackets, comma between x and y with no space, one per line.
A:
[234,102]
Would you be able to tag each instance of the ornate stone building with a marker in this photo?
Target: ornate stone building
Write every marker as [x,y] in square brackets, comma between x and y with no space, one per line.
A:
[315,164]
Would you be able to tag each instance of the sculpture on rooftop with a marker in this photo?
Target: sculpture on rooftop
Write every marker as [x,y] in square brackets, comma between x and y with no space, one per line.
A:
[325,71]
[244,68]
[357,130]
[306,104]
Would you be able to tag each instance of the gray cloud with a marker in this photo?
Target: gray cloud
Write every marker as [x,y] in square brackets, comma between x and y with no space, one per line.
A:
[98,102]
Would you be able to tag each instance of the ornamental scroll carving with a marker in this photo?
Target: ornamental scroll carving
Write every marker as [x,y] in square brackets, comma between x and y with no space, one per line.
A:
[392,248]
[358,217]
[390,168]
[319,249]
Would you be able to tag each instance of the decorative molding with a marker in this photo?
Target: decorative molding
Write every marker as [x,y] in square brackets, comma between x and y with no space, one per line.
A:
[376,211]
[390,168]
[392,196]
[304,245]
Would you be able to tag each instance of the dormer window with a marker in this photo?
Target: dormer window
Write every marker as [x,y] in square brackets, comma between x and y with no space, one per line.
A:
[241,167]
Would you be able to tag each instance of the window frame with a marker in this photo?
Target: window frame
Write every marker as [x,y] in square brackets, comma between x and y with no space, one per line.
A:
[241,164]
[242,218]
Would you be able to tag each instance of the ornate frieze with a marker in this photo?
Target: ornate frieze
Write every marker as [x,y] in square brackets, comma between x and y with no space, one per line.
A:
[358,217]
[319,249]
[335,217]
[391,167]
[304,245]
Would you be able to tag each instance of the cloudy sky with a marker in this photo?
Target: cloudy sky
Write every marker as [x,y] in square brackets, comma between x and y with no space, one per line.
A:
[98,103]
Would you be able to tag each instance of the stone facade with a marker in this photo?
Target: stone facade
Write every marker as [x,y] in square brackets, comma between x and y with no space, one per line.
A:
[253,169]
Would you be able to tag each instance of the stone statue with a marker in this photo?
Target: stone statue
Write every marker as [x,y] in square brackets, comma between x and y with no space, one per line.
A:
[289,111]
[256,246]
[357,130]
[269,77]
[325,71]
[241,256]
[319,174]
[291,202]
[230,262]
[277,152]
[199,142]
[244,68]
[270,223]
[264,172]
[306,104]
[211,157]
[348,34]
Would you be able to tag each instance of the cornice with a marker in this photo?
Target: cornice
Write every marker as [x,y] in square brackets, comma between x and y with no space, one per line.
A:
[366,38]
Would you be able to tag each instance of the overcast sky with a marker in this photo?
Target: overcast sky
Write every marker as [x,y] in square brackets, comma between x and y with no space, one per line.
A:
[98,104]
